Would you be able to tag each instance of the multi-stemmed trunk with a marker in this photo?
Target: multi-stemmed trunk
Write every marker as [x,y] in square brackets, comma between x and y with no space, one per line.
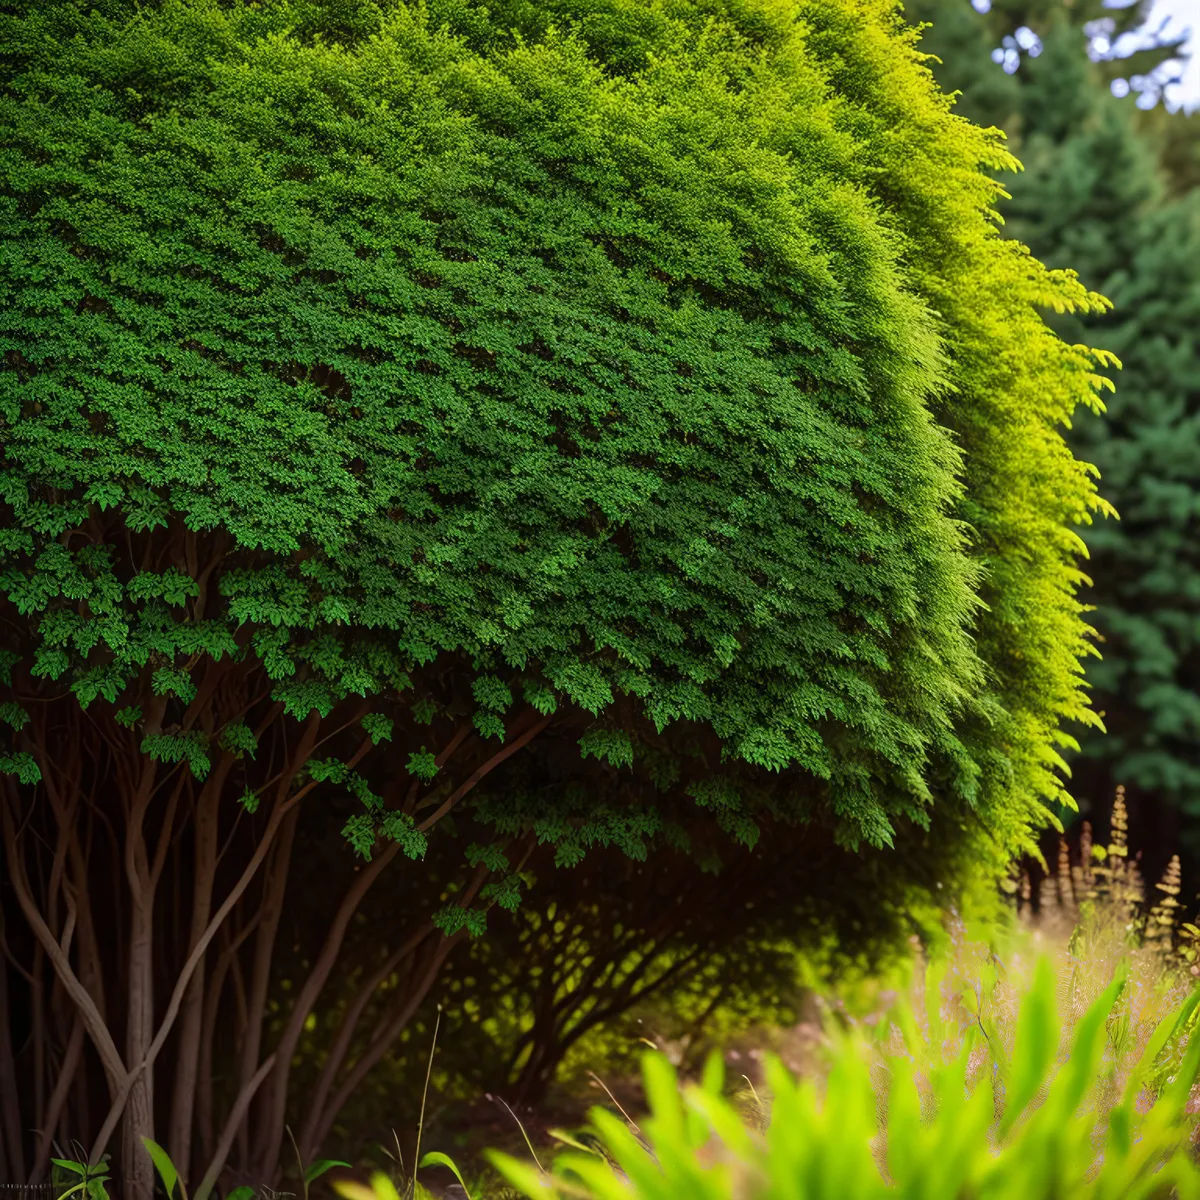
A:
[156,978]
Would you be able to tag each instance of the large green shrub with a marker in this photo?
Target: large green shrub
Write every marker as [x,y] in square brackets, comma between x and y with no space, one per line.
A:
[387,387]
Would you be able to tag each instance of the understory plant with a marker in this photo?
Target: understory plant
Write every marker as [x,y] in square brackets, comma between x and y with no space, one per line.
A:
[933,1107]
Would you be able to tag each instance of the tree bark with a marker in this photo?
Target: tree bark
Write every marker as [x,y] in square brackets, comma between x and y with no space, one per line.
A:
[183,1101]
[275,1106]
[12,1153]
[58,1100]
[138,1120]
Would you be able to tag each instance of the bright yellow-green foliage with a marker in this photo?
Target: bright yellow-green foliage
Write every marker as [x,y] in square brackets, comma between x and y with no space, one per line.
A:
[654,358]
[1013,385]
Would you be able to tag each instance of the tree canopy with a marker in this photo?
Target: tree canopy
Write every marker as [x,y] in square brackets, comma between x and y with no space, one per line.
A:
[609,370]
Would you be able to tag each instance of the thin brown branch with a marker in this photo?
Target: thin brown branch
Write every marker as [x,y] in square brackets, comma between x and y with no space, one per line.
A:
[236,1116]
[97,1029]
[492,763]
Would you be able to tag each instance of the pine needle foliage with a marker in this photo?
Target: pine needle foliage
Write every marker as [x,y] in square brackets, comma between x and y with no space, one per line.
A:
[1148,607]
[658,357]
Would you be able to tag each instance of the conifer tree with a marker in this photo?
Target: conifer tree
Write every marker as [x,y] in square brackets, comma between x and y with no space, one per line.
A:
[981,54]
[1147,566]
[585,422]
[962,42]
[1092,196]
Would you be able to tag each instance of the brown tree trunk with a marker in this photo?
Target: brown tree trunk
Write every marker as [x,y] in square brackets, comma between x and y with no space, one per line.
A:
[58,1100]
[274,889]
[384,1037]
[187,1059]
[138,1120]
[12,1154]
[336,1057]
[101,950]
[274,1109]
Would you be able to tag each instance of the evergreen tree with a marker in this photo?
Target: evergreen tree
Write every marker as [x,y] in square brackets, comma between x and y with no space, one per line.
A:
[1088,175]
[1177,135]
[962,42]
[1146,567]
[1092,196]
[982,54]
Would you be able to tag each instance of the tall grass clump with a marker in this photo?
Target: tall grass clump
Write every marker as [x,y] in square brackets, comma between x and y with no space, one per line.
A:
[938,1104]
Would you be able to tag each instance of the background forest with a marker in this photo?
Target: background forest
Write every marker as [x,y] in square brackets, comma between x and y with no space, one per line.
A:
[1110,188]
[645,740]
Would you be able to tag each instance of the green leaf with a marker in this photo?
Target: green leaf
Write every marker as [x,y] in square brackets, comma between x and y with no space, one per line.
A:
[520,1175]
[489,724]
[238,739]
[608,745]
[163,1165]
[327,770]
[191,747]
[8,660]
[423,764]
[106,682]
[360,832]
[492,693]
[21,764]
[540,697]
[168,681]
[317,1169]
[491,856]
[399,827]
[1034,1045]
[128,716]
[378,728]
[104,494]
[435,1158]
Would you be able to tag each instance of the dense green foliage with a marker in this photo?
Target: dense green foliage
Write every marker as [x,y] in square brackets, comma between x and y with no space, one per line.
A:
[1092,196]
[464,345]
[1148,567]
